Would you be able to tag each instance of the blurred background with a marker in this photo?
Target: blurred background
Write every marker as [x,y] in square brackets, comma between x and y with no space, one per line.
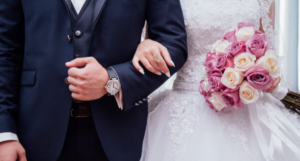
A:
[287,26]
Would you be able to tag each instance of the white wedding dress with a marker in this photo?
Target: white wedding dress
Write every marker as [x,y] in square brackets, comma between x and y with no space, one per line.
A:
[181,127]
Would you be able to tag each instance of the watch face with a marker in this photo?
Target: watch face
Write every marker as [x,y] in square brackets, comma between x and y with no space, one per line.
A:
[113,87]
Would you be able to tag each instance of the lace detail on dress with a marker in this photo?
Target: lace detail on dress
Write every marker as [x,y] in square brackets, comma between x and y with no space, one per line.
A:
[266,21]
[206,21]
[183,118]
[237,126]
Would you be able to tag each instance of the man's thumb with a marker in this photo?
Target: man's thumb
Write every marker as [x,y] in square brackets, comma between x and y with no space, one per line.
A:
[22,155]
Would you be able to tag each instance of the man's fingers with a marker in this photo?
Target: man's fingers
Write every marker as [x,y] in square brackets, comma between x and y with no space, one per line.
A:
[79,62]
[74,72]
[149,67]
[72,80]
[77,96]
[166,55]
[22,155]
[74,88]
[135,62]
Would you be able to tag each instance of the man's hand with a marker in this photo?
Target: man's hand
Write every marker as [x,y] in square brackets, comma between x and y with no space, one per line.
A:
[87,83]
[12,151]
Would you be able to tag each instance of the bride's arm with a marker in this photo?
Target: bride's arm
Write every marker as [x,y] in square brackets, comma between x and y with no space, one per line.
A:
[271,20]
[153,55]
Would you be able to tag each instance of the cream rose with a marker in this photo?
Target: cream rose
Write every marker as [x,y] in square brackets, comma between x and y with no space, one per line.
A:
[214,46]
[217,101]
[232,77]
[247,93]
[222,47]
[244,61]
[245,33]
[270,61]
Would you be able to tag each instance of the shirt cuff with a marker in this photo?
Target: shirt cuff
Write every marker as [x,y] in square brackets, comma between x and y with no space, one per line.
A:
[119,99]
[8,136]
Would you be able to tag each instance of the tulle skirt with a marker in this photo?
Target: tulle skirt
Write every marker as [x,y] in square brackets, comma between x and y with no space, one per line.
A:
[183,128]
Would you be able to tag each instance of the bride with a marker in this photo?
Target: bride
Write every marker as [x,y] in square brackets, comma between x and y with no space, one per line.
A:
[181,127]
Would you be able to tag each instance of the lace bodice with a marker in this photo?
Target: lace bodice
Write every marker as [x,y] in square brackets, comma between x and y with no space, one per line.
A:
[180,124]
[205,22]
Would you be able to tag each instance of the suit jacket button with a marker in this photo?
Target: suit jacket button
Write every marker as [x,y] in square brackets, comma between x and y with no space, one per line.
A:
[144,99]
[140,102]
[78,33]
[136,104]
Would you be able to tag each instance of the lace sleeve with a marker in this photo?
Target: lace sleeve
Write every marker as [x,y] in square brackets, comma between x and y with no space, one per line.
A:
[267,9]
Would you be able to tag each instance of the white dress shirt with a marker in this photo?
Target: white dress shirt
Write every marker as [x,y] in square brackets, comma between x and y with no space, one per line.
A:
[8,136]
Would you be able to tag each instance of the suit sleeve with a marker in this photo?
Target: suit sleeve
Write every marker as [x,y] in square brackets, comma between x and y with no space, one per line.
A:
[11,58]
[166,26]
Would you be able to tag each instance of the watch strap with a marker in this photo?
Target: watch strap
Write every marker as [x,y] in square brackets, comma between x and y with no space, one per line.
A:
[112,73]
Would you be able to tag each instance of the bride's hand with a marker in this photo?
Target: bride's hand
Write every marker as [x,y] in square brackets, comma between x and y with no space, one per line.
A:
[153,56]
[276,83]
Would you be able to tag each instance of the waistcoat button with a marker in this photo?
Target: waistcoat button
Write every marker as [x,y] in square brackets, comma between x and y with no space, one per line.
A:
[78,33]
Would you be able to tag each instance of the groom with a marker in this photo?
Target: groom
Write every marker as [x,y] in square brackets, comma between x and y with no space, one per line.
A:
[61,111]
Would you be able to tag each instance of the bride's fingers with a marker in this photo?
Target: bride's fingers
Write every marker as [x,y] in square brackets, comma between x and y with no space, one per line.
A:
[148,54]
[276,83]
[157,59]
[165,53]
[149,67]
[135,62]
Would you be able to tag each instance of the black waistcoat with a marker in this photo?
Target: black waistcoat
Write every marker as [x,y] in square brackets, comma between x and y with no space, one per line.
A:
[82,24]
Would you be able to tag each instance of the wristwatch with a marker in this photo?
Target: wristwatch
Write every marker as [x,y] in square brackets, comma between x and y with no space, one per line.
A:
[113,85]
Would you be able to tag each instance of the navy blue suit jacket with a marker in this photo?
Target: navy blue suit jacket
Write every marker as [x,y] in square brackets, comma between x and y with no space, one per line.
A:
[35,102]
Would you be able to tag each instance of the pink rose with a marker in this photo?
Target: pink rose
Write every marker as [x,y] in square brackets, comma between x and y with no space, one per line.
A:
[210,63]
[246,24]
[230,36]
[209,57]
[232,99]
[216,73]
[223,61]
[211,66]
[215,84]
[236,48]
[259,78]
[257,45]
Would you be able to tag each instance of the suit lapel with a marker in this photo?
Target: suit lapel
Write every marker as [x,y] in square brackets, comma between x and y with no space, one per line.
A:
[99,5]
[68,5]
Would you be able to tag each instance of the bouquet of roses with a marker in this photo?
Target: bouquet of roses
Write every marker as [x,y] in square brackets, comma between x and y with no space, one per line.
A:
[239,65]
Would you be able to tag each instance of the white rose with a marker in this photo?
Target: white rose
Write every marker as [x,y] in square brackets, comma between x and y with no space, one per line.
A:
[247,93]
[244,61]
[222,47]
[270,61]
[245,33]
[214,46]
[217,101]
[232,77]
